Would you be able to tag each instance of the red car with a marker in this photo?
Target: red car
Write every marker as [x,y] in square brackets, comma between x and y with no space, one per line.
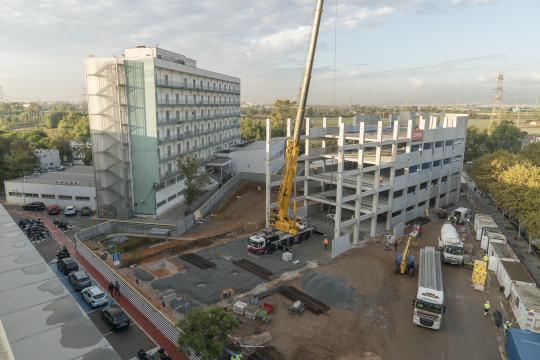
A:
[53,210]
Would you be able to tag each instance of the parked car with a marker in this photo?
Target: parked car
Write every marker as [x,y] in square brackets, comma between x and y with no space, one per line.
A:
[60,168]
[62,253]
[94,296]
[34,206]
[115,318]
[67,265]
[85,211]
[80,280]
[70,211]
[53,210]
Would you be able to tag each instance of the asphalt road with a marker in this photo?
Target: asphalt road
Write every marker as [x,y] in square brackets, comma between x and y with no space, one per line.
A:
[126,342]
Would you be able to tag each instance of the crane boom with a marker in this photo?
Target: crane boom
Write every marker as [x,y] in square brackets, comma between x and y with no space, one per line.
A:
[282,220]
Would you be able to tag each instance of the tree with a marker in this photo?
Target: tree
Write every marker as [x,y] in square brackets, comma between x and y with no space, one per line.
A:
[252,130]
[207,331]
[281,111]
[532,153]
[476,144]
[189,167]
[20,160]
[505,136]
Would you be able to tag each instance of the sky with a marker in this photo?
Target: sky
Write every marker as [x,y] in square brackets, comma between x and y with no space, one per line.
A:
[376,52]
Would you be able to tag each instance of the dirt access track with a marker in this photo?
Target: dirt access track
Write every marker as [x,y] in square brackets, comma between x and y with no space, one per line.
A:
[241,212]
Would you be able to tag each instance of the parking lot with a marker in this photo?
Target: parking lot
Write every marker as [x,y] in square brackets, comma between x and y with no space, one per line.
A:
[127,342]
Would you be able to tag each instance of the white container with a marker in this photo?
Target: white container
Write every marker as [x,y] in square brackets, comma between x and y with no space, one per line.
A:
[239,307]
[481,221]
[286,256]
[491,234]
[525,304]
[510,272]
[497,252]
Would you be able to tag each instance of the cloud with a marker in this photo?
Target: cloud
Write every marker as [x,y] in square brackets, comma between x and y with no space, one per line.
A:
[365,16]
[416,82]
[286,39]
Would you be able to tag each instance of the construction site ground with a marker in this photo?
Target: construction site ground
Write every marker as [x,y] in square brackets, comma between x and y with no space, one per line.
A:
[371,311]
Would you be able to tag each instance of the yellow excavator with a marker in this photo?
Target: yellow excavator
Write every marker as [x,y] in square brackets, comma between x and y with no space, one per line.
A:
[404,261]
[280,215]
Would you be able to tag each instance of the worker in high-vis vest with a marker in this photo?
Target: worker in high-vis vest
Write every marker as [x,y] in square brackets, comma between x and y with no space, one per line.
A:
[485,258]
[487,307]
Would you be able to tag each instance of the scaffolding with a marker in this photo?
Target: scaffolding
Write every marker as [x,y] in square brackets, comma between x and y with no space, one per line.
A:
[107,111]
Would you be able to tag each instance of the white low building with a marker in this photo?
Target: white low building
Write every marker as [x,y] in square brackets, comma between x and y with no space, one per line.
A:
[48,158]
[73,186]
[250,158]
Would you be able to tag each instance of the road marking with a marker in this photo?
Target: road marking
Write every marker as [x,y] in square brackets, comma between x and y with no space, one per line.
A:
[107,334]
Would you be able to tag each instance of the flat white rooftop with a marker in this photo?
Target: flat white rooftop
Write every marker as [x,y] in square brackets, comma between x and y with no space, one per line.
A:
[73,175]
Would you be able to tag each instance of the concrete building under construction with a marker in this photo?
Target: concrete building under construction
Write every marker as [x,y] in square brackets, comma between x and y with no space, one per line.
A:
[373,174]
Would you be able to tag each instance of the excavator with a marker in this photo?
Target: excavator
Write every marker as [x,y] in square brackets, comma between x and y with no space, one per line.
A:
[283,226]
[404,261]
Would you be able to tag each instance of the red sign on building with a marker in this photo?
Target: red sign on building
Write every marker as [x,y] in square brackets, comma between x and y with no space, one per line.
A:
[417,135]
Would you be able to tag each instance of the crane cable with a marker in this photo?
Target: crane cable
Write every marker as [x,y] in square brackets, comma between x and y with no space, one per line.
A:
[335,54]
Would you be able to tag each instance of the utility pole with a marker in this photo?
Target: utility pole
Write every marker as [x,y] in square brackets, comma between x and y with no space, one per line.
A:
[497,101]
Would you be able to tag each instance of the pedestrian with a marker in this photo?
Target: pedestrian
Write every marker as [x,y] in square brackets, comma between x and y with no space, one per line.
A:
[137,281]
[111,288]
[325,242]
[117,287]
[507,325]
[485,258]
[487,307]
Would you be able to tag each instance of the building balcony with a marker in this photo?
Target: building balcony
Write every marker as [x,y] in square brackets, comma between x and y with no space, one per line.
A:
[186,86]
[196,103]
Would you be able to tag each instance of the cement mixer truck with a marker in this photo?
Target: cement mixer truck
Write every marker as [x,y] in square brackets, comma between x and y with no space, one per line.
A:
[450,245]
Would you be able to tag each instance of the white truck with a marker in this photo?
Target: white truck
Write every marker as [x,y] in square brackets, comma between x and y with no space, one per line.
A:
[429,302]
[267,241]
[450,245]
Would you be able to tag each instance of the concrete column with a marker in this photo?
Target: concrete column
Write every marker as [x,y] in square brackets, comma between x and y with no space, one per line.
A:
[339,192]
[268,174]
[358,203]
[340,120]
[306,163]
[323,149]
[395,135]
[377,176]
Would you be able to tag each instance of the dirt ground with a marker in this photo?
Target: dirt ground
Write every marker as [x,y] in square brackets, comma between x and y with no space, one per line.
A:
[371,314]
[242,212]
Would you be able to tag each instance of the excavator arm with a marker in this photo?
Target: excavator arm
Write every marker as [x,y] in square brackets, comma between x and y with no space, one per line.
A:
[280,218]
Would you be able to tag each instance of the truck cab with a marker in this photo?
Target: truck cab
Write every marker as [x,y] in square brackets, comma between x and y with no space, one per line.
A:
[429,302]
[450,245]
[263,242]
[460,216]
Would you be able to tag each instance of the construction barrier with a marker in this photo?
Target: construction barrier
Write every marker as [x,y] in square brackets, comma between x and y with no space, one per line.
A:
[154,315]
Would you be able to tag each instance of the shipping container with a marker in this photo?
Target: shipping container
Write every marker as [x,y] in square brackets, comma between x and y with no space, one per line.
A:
[522,345]
[498,252]
[525,304]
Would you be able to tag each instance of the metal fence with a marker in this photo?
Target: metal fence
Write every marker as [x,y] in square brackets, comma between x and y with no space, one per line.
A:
[156,317]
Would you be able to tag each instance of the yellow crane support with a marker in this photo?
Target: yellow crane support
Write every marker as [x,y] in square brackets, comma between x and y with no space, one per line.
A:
[280,218]
[404,254]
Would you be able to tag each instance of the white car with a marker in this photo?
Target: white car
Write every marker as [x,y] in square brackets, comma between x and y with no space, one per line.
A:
[70,211]
[94,296]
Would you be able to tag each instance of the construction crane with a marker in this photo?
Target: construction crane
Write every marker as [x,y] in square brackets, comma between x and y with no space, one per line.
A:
[280,217]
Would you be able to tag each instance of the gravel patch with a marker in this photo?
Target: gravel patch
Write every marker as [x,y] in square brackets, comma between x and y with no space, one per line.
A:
[143,275]
[331,290]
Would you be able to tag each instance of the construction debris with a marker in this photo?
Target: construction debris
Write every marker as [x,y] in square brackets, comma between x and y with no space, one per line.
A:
[258,270]
[198,261]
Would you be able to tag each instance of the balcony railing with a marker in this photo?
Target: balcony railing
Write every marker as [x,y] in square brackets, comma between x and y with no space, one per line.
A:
[187,86]
[183,119]
[197,103]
